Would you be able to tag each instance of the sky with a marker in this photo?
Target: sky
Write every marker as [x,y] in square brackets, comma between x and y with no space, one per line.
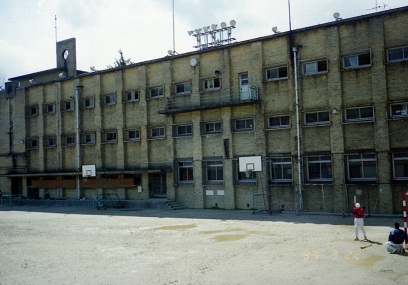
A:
[143,29]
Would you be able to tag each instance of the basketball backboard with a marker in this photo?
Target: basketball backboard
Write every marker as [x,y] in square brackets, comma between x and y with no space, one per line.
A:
[89,170]
[250,163]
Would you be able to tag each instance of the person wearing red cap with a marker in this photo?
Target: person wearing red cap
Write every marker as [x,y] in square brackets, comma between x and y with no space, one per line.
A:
[358,213]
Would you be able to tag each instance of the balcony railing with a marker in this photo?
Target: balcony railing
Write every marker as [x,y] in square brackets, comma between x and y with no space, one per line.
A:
[211,100]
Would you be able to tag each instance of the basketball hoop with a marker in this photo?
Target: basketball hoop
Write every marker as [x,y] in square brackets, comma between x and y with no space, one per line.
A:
[88,174]
[248,173]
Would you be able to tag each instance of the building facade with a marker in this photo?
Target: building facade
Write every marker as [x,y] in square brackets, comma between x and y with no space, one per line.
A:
[325,107]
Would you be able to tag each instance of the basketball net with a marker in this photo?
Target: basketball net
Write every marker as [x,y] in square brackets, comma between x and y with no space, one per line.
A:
[248,173]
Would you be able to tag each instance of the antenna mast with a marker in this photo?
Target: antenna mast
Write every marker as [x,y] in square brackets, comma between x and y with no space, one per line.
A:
[55,22]
[174,38]
[290,21]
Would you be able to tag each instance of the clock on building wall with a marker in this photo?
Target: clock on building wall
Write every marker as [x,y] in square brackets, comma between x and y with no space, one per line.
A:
[193,62]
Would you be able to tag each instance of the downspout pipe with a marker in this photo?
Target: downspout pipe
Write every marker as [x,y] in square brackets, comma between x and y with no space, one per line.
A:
[78,139]
[299,158]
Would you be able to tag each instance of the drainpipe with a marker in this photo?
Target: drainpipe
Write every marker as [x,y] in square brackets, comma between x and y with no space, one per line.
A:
[78,140]
[299,161]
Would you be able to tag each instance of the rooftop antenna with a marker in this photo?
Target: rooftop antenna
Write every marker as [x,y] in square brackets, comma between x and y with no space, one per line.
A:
[290,21]
[55,22]
[174,38]
[377,6]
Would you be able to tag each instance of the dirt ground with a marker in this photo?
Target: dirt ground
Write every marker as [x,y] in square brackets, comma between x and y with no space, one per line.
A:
[74,245]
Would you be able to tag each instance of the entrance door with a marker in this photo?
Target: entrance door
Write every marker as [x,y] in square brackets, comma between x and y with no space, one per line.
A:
[244,87]
[157,185]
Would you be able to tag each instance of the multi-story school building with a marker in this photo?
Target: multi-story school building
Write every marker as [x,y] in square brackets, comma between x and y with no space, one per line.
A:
[324,107]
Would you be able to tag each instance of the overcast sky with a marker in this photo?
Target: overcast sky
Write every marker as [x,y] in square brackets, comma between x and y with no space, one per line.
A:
[143,29]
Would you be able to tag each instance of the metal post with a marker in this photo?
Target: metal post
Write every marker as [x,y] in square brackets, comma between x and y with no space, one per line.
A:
[299,162]
[78,140]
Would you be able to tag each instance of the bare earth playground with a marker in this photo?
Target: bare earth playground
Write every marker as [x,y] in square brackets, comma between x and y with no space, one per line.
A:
[79,245]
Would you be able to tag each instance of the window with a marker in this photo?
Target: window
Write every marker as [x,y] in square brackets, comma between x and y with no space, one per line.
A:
[279,122]
[356,60]
[88,138]
[32,143]
[156,132]
[240,125]
[359,114]
[185,172]
[69,140]
[400,165]
[68,105]
[211,127]
[88,102]
[182,130]
[212,83]
[109,99]
[109,137]
[277,73]
[317,118]
[361,167]
[214,171]
[32,110]
[50,142]
[397,54]
[399,110]
[314,67]
[182,88]
[131,96]
[280,170]
[49,108]
[319,168]
[155,92]
[132,135]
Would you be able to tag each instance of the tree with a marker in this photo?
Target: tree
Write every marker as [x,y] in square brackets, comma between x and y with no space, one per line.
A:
[121,61]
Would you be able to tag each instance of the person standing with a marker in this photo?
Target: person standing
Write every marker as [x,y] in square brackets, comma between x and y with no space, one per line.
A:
[358,213]
[396,239]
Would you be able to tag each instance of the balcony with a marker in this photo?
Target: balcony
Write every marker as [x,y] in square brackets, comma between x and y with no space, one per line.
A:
[213,99]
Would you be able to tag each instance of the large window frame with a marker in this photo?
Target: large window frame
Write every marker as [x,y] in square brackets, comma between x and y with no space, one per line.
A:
[319,168]
[397,54]
[50,142]
[156,92]
[88,139]
[109,99]
[185,171]
[243,125]
[131,135]
[400,166]
[109,136]
[279,122]
[183,88]
[356,60]
[314,67]
[361,167]
[157,132]
[358,114]
[317,118]
[276,73]
[88,102]
[210,84]
[32,143]
[208,128]
[32,111]
[183,130]
[280,170]
[131,96]
[49,108]
[68,105]
[214,171]
[398,110]
[68,140]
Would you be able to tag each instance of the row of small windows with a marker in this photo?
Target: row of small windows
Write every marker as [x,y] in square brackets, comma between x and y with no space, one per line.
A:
[360,114]
[350,61]
[317,169]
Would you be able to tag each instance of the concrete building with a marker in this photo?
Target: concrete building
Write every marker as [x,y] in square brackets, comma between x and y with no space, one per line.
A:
[325,107]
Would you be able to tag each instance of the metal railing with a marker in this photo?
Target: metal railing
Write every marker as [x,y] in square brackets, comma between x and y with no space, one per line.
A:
[211,99]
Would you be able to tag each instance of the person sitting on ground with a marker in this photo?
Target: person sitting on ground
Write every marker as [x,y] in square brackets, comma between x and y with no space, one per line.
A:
[396,239]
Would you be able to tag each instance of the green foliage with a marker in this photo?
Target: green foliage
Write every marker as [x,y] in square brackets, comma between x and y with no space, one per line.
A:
[121,61]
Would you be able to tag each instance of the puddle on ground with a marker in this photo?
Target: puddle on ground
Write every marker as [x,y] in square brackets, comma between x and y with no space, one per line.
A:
[370,260]
[221,231]
[222,238]
[175,227]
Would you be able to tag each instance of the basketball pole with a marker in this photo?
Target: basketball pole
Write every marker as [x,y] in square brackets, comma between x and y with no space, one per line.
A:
[404,211]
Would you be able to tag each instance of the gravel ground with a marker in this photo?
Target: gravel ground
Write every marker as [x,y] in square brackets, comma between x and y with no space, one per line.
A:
[74,245]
